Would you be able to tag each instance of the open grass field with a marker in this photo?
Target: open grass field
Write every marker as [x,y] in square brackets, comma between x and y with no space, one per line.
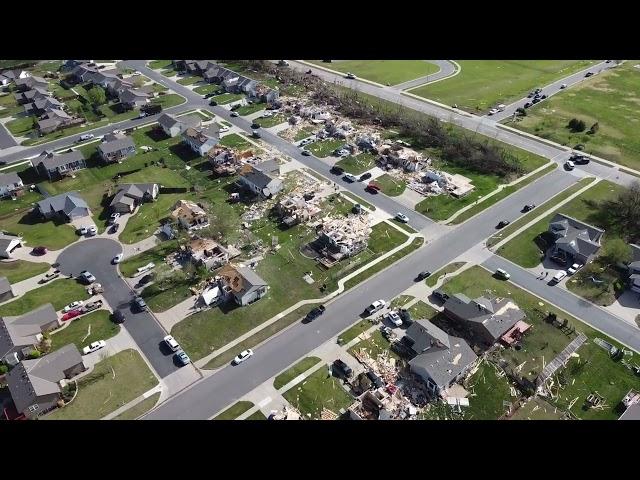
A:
[481,84]
[386,72]
[59,293]
[609,98]
[114,382]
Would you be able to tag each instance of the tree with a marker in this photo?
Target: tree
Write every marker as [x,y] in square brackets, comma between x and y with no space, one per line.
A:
[616,251]
[97,96]
[623,212]
[576,125]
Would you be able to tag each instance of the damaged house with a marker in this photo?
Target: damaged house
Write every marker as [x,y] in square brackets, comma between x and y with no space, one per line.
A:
[295,209]
[261,179]
[441,359]
[396,156]
[202,140]
[343,237]
[209,253]
[227,161]
[242,284]
[190,215]
[574,241]
[486,319]
[456,185]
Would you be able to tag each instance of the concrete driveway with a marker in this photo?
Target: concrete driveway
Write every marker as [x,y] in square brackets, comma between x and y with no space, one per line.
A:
[95,255]
[6,140]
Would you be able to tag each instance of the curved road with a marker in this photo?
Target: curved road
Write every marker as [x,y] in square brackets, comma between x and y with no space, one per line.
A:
[95,255]
[447,69]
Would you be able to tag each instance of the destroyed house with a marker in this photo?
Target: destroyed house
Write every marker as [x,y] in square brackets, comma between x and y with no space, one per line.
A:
[486,318]
[21,334]
[10,183]
[343,237]
[441,359]
[209,253]
[243,284]
[295,209]
[574,241]
[36,385]
[226,161]
[190,215]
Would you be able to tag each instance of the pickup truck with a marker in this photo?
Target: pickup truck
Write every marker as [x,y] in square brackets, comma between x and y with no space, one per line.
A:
[50,276]
[91,306]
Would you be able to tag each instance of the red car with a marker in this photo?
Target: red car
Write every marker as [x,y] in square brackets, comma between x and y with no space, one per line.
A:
[39,250]
[373,188]
[71,314]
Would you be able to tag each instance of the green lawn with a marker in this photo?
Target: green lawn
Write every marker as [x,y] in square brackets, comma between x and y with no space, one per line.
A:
[353,331]
[38,232]
[190,80]
[358,164]
[251,108]
[487,392]
[387,72]
[271,121]
[156,255]
[452,267]
[318,391]
[404,226]
[170,100]
[297,369]
[375,345]
[139,409]
[21,127]
[58,292]
[400,301]
[502,194]
[604,294]
[160,300]
[225,98]
[390,186]
[525,249]
[234,140]
[421,310]
[482,84]
[206,89]
[114,382]
[144,223]
[19,270]
[257,415]
[84,330]
[235,410]
[609,99]
[537,409]
[324,148]
[160,64]
[304,133]
[505,232]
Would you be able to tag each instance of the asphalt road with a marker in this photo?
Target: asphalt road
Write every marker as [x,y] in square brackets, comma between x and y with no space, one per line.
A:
[214,392]
[552,89]
[590,314]
[6,140]
[447,68]
[95,255]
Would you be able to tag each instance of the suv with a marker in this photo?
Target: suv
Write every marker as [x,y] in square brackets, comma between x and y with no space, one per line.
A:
[316,312]
[337,170]
[423,275]
[441,295]
[118,316]
[140,304]
[365,176]
[528,208]
[502,274]
[350,178]
[87,276]
[171,343]
[503,223]
[342,368]
[375,307]
[574,268]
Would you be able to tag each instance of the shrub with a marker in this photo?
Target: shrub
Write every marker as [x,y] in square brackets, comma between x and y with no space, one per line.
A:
[34,354]
[576,125]
[3,369]
[521,111]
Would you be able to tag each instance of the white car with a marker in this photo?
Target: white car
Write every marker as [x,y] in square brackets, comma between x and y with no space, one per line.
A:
[114,217]
[493,111]
[350,178]
[563,86]
[224,128]
[574,268]
[86,136]
[73,306]
[94,347]
[118,258]
[92,230]
[171,343]
[136,74]
[350,76]
[244,355]
[87,276]
[375,306]
[569,165]
[118,132]
[83,230]
[401,217]
[558,277]
[267,115]
[142,115]
[394,318]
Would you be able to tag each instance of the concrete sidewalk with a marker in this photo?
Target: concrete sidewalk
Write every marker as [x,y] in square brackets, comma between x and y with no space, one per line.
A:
[133,403]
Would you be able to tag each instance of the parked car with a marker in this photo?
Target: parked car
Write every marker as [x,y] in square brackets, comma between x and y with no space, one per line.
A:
[423,275]
[350,178]
[503,223]
[87,277]
[213,103]
[306,153]
[142,115]
[535,100]
[493,111]
[209,95]
[563,86]
[255,134]
[183,358]
[386,332]
[337,170]
[558,277]
[50,276]
[136,74]
[118,258]
[39,251]
[373,187]
[401,217]
[82,230]
[502,274]
[542,97]
[350,76]
[528,208]
[94,347]
[580,160]
[140,304]
[375,307]
[224,129]
[255,125]
[574,268]
[73,306]
[357,209]
[71,314]
[365,176]
[114,217]
[118,316]
[394,318]
[441,295]
[92,230]
[316,312]
[588,74]
[86,136]
[171,343]
[375,379]
[342,368]
[235,114]
[527,105]
[114,228]
[569,165]
[242,356]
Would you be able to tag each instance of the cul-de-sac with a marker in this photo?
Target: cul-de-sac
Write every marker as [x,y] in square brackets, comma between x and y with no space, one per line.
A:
[319,240]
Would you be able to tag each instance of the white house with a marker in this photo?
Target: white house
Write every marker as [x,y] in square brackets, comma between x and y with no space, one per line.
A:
[8,243]
[9,183]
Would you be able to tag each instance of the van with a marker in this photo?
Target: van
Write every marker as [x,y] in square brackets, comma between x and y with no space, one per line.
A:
[557,278]
[500,273]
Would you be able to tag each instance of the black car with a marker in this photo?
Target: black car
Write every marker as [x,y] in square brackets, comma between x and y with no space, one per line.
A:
[535,100]
[375,379]
[140,304]
[213,103]
[114,228]
[579,159]
[342,368]
[528,208]
[423,275]
[337,170]
[255,125]
[531,94]
[306,153]
[118,316]
[441,295]
[588,74]
[527,105]
[543,97]
[503,223]
[357,209]
[316,312]
[365,176]
[146,279]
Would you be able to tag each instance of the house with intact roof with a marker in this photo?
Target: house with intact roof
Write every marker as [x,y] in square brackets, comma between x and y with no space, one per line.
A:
[56,119]
[28,96]
[21,334]
[55,166]
[260,179]
[242,284]
[32,81]
[6,292]
[67,206]
[116,149]
[173,126]
[42,105]
[36,385]
[200,140]
[441,359]
[574,241]
[10,183]
[130,195]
